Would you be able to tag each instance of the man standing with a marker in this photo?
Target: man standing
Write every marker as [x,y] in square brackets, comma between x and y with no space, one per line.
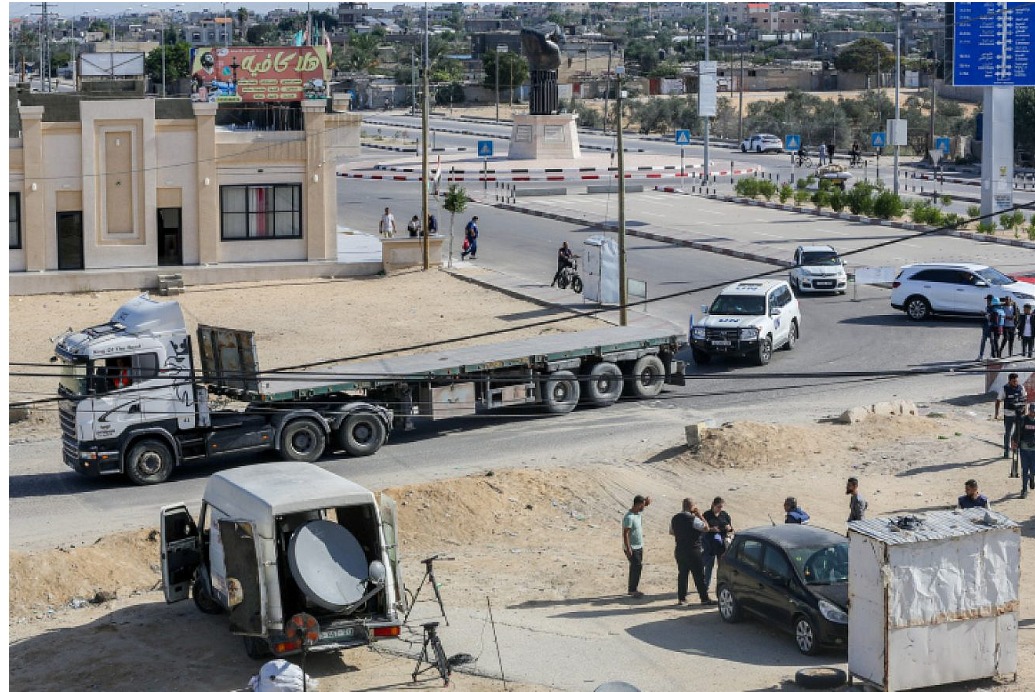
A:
[858,504]
[632,542]
[1026,331]
[564,260]
[971,497]
[721,527]
[687,527]
[1012,399]
[471,239]
[823,154]
[1026,442]
[987,329]
[387,227]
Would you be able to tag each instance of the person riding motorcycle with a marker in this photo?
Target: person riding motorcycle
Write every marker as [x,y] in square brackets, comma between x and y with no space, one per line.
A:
[565,259]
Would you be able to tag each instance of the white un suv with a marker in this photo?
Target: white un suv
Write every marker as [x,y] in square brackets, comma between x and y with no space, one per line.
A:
[749,318]
[818,268]
[953,289]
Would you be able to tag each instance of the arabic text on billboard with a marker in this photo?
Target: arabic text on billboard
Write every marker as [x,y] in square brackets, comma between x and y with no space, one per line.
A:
[259,74]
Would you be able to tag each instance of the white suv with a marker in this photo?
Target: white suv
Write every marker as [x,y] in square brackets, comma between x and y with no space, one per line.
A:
[818,268]
[955,289]
[749,318]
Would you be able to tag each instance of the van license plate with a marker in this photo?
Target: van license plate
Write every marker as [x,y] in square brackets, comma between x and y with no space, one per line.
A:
[721,343]
[336,633]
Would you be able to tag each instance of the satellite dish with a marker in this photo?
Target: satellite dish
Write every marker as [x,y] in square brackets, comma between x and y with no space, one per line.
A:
[328,564]
[616,686]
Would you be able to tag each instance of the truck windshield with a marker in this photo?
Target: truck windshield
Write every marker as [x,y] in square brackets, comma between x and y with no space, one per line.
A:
[821,566]
[73,379]
[820,259]
[738,305]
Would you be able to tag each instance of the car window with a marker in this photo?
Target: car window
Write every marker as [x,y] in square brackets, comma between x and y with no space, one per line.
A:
[751,553]
[785,296]
[944,276]
[824,565]
[820,259]
[968,279]
[994,276]
[774,564]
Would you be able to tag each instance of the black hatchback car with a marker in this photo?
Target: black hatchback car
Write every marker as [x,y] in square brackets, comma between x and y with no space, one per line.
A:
[793,576]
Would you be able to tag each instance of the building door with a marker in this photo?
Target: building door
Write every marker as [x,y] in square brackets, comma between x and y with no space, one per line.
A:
[170,237]
[70,239]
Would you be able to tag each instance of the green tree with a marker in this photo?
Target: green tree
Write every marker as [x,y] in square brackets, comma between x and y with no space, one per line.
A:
[262,35]
[862,56]
[454,202]
[513,70]
[1024,119]
[177,62]
[360,53]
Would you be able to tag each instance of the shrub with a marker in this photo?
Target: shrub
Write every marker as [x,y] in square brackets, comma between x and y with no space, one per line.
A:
[946,200]
[860,198]
[821,198]
[747,187]
[837,200]
[801,196]
[986,227]
[767,188]
[887,205]
[786,192]
[921,212]
[953,220]
[973,211]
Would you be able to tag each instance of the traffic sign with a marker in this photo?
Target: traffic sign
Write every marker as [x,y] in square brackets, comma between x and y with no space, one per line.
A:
[878,139]
[792,142]
[682,137]
[942,144]
[484,147]
[992,44]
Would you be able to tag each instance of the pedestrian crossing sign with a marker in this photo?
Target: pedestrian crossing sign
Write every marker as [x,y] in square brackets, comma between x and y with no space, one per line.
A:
[484,147]
[682,137]
[942,144]
[792,142]
[878,139]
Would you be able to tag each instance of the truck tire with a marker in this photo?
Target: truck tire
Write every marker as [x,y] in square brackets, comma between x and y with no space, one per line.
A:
[149,462]
[361,434]
[646,378]
[604,384]
[560,391]
[257,648]
[204,600]
[302,440]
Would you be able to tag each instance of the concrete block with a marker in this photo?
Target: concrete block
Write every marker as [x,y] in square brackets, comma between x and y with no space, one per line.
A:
[539,191]
[884,408]
[18,413]
[612,189]
[695,433]
[856,414]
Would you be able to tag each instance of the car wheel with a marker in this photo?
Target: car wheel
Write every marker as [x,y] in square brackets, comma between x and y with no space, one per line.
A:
[729,609]
[362,434]
[918,308]
[149,462]
[204,599]
[257,648]
[646,378]
[792,336]
[820,678]
[758,149]
[743,148]
[560,392]
[765,351]
[805,636]
[302,440]
[701,357]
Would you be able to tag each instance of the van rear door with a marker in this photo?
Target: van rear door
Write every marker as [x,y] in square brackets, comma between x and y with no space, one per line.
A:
[243,587]
[390,529]
[181,551]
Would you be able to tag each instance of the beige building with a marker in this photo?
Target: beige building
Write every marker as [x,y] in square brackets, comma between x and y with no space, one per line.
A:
[146,183]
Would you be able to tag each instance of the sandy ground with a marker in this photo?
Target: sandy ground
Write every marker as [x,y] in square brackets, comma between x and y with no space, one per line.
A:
[524,537]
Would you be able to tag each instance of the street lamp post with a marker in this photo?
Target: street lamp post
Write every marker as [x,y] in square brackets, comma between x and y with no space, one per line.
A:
[623,294]
[162,29]
[500,49]
[898,79]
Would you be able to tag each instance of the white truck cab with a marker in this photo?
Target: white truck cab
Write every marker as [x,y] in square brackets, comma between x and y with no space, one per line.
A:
[284,539]
[818,268]
[748,318]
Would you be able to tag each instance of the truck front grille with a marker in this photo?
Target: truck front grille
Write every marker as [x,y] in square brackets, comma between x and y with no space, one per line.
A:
[69,447]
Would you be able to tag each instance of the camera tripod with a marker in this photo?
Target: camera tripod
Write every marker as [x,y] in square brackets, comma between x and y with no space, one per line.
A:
[441,662]
[429,575]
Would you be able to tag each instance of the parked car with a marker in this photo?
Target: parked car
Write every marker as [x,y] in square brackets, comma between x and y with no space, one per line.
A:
[818,268]
[792,576]
[953,289]
[748,318]
[762,143]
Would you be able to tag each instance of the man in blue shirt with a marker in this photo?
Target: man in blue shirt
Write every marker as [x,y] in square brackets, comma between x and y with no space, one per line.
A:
[971,497]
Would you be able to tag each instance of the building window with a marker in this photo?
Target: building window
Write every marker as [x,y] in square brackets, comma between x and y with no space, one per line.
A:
[16,220]
[256,212]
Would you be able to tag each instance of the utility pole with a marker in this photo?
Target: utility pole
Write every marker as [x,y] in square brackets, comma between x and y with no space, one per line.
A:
[740,119]
[623,294]
[898,79]
[413,79]
[44,48]
[707,120]
[607,91]
[424,178]
[163,53]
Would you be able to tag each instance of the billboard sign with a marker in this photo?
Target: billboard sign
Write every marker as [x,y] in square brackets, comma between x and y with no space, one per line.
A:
[111,64]
[992,44]
[283,73]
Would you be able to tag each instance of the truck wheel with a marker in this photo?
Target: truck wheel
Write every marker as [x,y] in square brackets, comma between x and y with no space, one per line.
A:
[302,440]
[361,434]
[646,378]
[204,600]
[604,385]
[257,648]
[149,462]
[560,391]
[701,357]
[764,352]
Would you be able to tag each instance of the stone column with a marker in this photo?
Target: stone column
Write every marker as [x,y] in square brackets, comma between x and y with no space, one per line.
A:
[318,213]
[35,225]
[208,194]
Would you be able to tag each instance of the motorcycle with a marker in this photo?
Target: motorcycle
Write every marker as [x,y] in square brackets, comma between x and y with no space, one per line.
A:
[570,277]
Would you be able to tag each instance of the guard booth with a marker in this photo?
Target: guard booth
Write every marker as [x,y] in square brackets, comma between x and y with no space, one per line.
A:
[933,598]
[600,270]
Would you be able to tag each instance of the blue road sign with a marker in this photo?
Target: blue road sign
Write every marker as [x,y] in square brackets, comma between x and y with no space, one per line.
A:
[992,44]
[792,142]
[878,139]
[682,137]
[942,144]
[484,147]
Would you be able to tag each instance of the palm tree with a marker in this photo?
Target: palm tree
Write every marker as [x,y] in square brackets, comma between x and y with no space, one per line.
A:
[454,202]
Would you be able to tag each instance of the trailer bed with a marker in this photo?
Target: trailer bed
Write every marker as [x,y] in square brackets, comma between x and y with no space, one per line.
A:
[285,386]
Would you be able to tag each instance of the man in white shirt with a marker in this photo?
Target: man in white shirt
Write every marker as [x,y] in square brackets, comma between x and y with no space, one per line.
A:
[387,227]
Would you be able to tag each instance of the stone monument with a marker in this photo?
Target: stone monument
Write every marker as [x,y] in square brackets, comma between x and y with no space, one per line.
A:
[543,133]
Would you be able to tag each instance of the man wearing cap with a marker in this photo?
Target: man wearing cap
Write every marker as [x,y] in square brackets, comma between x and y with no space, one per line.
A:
[1026,442]
[632,542]
[1012,398]
[971,498]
